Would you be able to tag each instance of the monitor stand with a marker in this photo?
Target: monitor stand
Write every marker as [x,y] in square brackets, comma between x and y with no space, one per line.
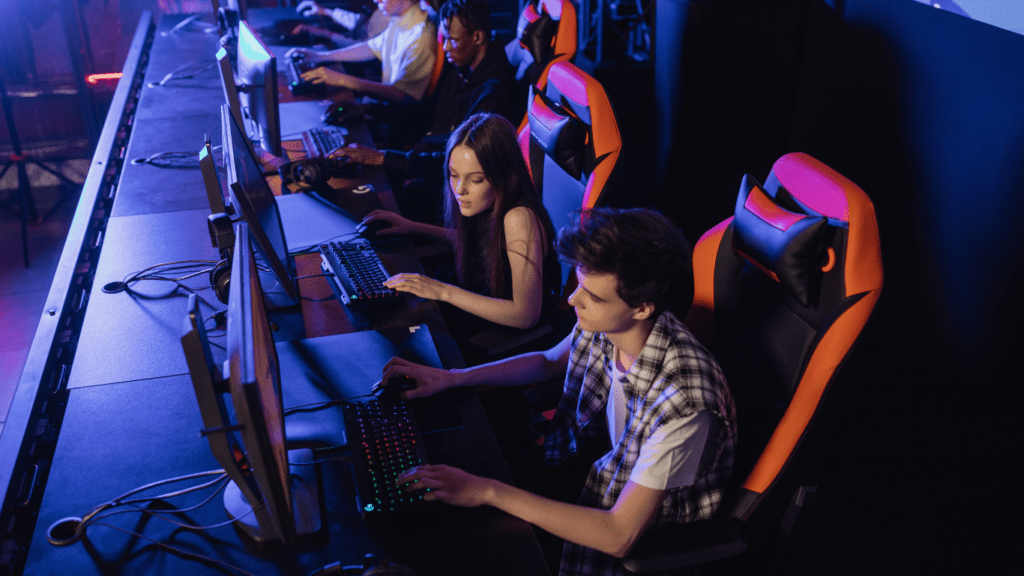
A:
[305,499]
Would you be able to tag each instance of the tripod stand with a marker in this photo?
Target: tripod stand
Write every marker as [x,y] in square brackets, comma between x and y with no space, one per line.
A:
[23,204]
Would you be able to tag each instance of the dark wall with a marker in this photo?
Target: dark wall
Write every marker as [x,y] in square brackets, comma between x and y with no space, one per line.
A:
[723,76]
[922,109]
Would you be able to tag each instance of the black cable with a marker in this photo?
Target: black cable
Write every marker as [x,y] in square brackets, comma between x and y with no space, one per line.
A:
[314,406]
[324,275]
[157,271]
[172,159]
[173,74]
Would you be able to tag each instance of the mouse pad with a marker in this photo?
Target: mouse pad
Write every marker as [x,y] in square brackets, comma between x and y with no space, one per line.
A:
[299,117]
[348,365]
[309,220]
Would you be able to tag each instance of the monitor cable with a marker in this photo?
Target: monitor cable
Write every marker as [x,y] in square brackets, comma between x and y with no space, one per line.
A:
[173,159]
[67,531]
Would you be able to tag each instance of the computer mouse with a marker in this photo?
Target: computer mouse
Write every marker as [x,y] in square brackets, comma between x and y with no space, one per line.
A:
[335,115]
[368,231]
[395,386]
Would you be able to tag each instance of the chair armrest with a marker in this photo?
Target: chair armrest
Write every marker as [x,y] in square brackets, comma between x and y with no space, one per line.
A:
[686,545]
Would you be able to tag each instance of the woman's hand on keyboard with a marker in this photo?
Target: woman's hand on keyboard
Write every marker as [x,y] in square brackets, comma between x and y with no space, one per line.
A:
[429,381]
[419,285]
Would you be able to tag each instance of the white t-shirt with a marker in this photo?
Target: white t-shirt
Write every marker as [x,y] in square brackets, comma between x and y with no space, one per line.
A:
[407,51]
[672,456]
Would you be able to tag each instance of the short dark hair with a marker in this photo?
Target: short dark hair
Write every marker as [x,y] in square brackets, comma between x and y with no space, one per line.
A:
[646,252]
[474,14]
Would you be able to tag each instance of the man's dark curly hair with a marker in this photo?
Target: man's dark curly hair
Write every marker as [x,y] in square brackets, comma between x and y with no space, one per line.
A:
[645,251]
[474,14]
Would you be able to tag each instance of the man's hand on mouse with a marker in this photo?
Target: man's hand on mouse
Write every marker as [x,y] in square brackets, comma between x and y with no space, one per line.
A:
[305,54]
[429,381]
[360,154]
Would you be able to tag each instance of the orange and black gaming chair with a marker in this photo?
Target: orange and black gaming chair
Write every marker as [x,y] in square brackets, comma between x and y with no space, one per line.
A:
[783,290]
[571,142]
[545,35]
[439,61]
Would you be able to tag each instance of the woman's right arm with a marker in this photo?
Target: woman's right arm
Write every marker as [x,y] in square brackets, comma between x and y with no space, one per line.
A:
[402,225]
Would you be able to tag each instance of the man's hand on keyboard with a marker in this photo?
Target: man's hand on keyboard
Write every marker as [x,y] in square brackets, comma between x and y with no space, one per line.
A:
[429,381]
[322,75]
[315,31]
[447,484]
[361,154]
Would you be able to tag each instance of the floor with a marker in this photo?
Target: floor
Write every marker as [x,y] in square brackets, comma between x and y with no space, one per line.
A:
[23,291]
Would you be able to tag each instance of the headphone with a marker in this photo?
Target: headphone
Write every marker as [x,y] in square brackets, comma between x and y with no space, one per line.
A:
[220,279]
[308,173]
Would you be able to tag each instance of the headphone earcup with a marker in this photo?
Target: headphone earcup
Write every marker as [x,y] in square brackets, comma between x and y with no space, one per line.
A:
[220,280]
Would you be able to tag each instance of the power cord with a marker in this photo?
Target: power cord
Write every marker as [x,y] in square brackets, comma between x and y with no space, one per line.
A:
[172,159]
[70,530]
[206,29]
[159,271]
[176,74]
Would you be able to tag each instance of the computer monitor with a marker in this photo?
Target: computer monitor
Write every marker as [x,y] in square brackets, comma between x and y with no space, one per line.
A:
[211,180]
[273,494]
[227,82]
[257,81]
[255,202]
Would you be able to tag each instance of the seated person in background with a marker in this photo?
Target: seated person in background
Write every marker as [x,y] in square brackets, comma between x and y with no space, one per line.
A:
[634,377]
[406,50]
[497,225]
[478,78]
[365,22]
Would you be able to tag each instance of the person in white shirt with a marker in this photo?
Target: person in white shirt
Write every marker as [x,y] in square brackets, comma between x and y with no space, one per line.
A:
[407,50]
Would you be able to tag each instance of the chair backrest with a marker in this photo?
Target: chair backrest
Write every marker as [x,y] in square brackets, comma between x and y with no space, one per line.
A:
[783,290]
[571,143]
[545,35]
[439,60]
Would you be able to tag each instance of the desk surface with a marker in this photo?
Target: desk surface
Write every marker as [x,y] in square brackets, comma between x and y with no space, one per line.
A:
[131,413]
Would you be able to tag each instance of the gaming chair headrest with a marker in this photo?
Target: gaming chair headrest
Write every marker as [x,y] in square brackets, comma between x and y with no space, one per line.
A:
[787,245]
[562,136]
[536,29]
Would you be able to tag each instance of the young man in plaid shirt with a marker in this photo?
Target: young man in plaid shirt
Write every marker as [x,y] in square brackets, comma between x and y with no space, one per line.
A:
[635,378]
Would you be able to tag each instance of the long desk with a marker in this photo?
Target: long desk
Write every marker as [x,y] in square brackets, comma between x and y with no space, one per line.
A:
[131,416]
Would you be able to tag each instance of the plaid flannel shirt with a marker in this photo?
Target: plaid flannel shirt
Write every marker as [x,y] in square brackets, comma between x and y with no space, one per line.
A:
[674,377]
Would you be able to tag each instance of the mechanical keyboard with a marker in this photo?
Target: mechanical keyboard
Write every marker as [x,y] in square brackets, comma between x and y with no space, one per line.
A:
[319,142]
[359,274]
[293,69]
[385,442]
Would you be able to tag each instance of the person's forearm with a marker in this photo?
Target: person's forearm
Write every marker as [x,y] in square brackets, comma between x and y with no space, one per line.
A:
[497,310]
[358,52]
[522,370]
[438,232]
[377,90]
[590,527]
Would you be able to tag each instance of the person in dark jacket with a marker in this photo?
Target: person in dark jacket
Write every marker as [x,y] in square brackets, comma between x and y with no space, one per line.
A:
[477,78]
